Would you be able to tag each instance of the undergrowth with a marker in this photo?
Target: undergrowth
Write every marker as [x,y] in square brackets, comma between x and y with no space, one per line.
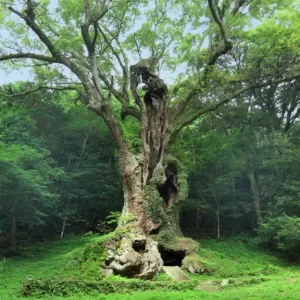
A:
[252,273]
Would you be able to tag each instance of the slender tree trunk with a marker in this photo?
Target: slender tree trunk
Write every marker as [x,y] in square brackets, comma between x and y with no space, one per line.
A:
[197,219]
[13,225]
[63,228]
[218,222]
[255,196]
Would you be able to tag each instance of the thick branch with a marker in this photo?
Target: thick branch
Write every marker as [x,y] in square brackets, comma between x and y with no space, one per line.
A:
[96,101]
[218,20]
[31,23]
[57,55]
[130,111]
[28,55]
[215,105]
[218,51]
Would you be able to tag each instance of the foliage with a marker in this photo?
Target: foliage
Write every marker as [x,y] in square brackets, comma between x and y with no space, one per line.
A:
[282,233]
[49,186]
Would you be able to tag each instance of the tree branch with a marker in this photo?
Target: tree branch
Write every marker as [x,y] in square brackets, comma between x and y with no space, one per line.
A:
[40,88]
[130,111]
[29,55]
[123,66]
[29,19]
[218,51]
[93,96]
[215,105]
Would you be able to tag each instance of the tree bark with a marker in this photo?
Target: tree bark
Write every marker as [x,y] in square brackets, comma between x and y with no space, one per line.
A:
[13,225]
[155,185]
[255,196]
[218,222]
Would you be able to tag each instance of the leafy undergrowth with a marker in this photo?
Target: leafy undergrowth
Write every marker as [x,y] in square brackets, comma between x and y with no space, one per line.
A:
[252,273]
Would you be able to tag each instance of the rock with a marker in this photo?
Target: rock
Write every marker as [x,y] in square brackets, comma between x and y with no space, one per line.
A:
[193,264]
[224,283]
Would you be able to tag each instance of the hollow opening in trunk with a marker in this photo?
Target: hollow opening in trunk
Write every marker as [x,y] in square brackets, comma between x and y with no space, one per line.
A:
[168,191]
[171,258]
[139,246]
[155,231]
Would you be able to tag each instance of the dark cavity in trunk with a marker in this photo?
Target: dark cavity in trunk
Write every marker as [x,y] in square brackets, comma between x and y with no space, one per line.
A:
[169,189]
[171,258]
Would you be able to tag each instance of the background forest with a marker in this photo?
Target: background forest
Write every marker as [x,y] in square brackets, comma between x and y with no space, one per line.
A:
[159,123]
[59,172]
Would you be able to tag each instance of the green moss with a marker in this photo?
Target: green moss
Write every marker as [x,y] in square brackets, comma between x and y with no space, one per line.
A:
[93,261]
[94,257]
[154,204]
[168,217]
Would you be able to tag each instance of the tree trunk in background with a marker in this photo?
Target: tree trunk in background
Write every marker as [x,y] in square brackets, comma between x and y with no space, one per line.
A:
[218,222]
[13,225]
[255,196]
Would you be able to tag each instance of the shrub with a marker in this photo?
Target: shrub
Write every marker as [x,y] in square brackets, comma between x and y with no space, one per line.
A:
[282,233]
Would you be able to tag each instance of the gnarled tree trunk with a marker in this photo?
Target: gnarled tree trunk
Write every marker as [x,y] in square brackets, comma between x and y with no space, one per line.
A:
[154,188]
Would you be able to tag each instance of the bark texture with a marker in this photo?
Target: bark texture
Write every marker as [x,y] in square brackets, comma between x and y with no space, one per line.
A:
[13,225]
[154,187]
[255,196]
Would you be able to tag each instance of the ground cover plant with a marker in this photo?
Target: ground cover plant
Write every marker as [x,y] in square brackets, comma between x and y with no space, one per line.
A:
[252,273]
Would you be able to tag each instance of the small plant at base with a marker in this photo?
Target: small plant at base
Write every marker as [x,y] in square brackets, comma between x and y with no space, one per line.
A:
[116,217]
[2,263]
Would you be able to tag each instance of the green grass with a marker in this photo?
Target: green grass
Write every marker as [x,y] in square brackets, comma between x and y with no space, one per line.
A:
[267,276]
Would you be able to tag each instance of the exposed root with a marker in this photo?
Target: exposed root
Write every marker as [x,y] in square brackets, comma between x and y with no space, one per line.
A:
[137,256]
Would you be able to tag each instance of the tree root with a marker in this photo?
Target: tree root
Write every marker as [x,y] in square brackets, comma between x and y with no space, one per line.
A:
[137,256]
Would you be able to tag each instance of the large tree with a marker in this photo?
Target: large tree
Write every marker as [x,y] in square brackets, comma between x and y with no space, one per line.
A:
[86,46]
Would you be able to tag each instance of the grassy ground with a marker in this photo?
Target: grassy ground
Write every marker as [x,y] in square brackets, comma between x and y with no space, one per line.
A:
[267,277]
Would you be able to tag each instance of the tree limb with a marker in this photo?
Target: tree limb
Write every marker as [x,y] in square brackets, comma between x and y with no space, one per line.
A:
[29,55]
[40,88]
[218,51]
[29,19]
[212,106]
[123,66]
[130,111]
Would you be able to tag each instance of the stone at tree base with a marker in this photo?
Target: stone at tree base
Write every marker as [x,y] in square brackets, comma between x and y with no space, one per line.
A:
[193,264]
[186,248]
[176,273]
[210,286]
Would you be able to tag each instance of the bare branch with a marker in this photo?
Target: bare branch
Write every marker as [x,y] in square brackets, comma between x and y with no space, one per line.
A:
[93,96]
[121,98]
[115,53]
[137,46]
[40,88]
[124,66]
[29,55]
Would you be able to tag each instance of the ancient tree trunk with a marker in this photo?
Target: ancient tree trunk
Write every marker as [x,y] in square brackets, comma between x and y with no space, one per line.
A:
[154,187]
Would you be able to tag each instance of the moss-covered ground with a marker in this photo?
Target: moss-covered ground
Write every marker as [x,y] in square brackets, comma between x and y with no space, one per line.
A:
[254,274]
